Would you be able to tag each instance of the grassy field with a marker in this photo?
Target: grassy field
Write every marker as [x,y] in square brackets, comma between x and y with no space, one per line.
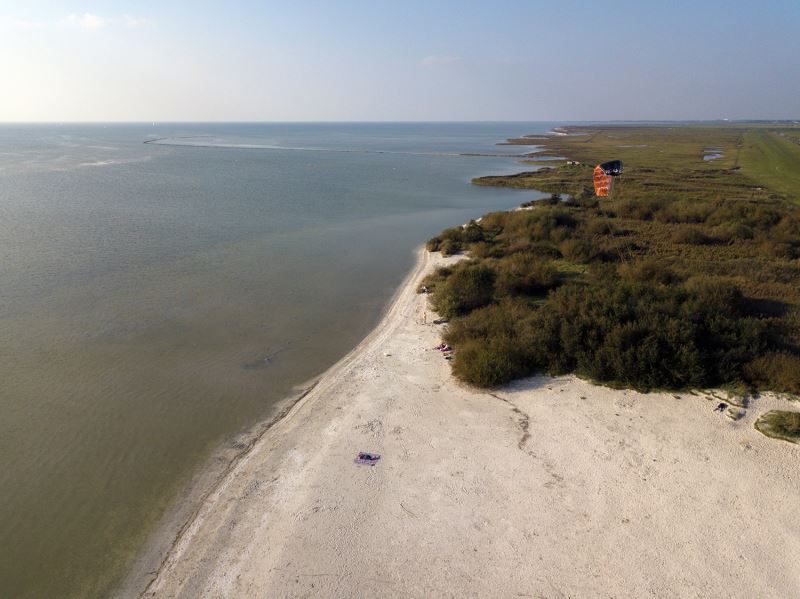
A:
[688,276]
[755,161]
[772,158]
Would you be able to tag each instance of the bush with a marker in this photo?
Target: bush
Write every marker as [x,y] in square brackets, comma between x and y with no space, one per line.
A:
[472,233]
[639,210]
[524,274]
[648,337]
[649,270]
[732,232]
[482,250]
[602,273]
[493,344]
[490,362]
[553,200]
[715,293]
[542,224]
[542,250]
[684,212]
[434,279]
[690,235]
[454,234]
[470,286]
[449,247]
[578,250]
[779,250]
[622,333]
[600,227]
[755,215]
[778,371]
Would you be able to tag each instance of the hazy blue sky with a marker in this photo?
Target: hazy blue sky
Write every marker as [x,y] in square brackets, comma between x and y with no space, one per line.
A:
[401,60]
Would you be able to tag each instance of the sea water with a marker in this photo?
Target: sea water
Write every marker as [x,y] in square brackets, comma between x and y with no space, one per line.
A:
[156,299]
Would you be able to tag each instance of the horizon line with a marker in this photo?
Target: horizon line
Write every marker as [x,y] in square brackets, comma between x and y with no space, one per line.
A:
[356,122]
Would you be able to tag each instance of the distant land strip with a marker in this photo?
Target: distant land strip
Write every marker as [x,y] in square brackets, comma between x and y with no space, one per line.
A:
[172,141]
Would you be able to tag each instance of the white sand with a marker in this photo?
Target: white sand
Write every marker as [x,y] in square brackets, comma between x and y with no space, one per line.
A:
[549,488]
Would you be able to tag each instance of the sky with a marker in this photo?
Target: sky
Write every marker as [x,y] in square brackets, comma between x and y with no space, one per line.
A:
[504,60]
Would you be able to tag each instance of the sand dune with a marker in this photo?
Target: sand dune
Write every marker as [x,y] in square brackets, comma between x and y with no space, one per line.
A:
[551,487]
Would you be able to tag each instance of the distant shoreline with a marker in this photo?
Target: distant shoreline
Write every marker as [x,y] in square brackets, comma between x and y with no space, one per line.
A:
[164,141]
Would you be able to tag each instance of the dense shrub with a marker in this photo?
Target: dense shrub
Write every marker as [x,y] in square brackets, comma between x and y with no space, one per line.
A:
[670,291]
[542,250]
[472,233]
[544,224]
[454,233]
[647,337]
[684,212]
[778,371]
[434,279]
[650,270]
[627,333]
[470,286]
[433,244]
[489,362]
[492,348]
[717,293]
[524,274]
[637,209]
[690,235]
[482,249]
[448,247]
[585,199]
[755,215]
[600,227]
[732,232]
[579,250]
[779,249]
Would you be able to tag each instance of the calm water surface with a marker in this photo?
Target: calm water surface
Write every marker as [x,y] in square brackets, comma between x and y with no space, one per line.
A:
[157,299]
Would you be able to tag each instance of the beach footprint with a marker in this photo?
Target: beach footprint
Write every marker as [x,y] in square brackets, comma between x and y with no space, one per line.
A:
[374,427]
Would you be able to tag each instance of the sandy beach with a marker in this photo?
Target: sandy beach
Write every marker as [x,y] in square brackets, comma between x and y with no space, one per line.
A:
[550,487]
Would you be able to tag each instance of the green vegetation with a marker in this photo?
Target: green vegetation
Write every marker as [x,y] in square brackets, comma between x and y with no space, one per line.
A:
[688,277]
[773,158]
[780,424]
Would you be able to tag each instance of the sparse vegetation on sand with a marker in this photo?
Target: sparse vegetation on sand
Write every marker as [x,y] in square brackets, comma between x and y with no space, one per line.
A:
[780,424]
[688,277]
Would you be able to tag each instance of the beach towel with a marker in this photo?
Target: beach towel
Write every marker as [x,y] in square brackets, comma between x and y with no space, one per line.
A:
[370,459]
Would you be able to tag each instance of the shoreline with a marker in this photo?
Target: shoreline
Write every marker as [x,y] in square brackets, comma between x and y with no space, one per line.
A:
[474,485]
[185,508]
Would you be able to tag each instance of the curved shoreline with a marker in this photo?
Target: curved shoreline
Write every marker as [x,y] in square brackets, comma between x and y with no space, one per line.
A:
[176,523]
